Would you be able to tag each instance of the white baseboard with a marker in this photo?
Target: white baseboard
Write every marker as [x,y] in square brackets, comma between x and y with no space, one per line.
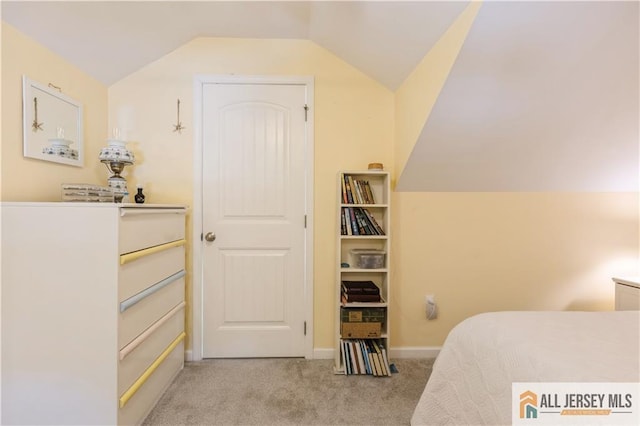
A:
[401,352]
[323,353]
[415,352]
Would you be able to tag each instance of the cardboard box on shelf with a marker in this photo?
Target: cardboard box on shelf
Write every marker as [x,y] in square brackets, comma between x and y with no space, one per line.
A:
[355,315]
[361,323]
[361,330]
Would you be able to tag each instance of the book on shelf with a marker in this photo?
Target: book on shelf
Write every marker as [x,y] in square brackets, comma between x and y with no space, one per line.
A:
[347,187]
[360,291]
[363,225]
[372,366]
[360,298]
[356,191]
[358,194]
[369,193]
[354,355]
[376,360]
[346,213]
[365,191]
[364,199]
[384,366]
[355,230]
[346,222]
[352,189]
[342,354]
[347,355]
[359,221]
[345,199]
[385,360]
[378,355]
[363,367]
[376,229]
[360,287]
[357,361]
[373,221]
[364,356]
[361,230]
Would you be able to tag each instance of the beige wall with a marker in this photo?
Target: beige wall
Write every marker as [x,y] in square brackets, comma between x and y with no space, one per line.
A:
[481,252]
[27,179]
[353,126]
[475,251]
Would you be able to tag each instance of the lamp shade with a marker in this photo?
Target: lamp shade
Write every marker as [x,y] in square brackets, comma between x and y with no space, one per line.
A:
[116,152]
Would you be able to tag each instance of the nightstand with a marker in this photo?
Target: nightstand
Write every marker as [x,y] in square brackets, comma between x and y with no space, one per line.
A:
[627,294]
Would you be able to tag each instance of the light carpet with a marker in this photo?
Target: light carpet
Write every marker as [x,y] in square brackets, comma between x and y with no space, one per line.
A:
[290,391]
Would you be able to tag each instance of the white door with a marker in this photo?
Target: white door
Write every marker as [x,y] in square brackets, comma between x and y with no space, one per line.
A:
[253,200]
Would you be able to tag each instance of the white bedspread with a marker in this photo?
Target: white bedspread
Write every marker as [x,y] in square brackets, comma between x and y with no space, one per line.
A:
[484,354]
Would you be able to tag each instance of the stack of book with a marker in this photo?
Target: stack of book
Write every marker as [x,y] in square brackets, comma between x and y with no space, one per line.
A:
[364,356]
[359,221]
[360,291]
[356,191]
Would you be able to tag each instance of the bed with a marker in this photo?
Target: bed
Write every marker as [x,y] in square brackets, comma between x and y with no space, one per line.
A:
[482,356]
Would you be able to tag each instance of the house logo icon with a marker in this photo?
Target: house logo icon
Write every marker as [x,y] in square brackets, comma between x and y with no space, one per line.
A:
[528,405]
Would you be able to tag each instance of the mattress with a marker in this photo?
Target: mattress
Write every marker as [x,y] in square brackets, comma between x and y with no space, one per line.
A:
[483,355]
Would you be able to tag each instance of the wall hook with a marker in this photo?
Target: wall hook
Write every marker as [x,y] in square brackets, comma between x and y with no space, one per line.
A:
[178,127]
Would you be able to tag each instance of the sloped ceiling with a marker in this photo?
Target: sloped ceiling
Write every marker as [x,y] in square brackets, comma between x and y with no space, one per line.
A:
[111,39]
[542,97]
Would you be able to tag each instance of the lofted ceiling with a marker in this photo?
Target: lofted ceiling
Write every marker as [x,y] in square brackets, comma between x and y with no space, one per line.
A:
[542,97]
[111,39]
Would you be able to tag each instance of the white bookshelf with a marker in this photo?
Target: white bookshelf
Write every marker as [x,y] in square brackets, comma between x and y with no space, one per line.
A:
[380,186]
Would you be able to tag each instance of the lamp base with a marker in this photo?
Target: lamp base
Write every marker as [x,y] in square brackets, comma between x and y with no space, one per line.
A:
[119,187]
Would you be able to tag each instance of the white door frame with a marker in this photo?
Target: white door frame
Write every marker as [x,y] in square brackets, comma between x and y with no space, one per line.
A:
[196,217]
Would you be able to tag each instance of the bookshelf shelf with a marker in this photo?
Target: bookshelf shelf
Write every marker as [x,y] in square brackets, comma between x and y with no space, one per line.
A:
[363,305]
[359,237]
[366,206]
[361,271]
[362,327]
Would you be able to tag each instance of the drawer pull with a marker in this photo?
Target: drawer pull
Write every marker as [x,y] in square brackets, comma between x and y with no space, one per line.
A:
[130,257]
[138,211]
[149,331]
[149,371]
[126,304]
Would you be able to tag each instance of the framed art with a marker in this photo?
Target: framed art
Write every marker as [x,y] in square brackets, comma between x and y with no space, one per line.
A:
[52,125]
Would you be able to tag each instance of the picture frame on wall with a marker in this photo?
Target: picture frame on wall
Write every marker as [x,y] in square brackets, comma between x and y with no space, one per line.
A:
[52,125]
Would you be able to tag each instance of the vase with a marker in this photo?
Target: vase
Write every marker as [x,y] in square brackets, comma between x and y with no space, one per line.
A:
[139,197]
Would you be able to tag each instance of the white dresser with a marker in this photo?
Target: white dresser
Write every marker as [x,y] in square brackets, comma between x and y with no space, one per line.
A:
[92,310]
[627,293]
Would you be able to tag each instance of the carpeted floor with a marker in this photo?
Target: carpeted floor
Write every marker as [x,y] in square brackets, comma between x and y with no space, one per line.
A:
[289,392]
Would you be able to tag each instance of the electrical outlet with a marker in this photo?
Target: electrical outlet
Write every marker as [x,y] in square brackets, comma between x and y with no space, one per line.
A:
[432,308]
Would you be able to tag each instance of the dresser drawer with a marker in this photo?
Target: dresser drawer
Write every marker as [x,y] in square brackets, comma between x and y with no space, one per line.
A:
[148,270]
[141,228]
[136,408]
[139,316]
[134,361]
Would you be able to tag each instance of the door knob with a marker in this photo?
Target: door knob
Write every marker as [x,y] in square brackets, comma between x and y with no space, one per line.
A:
[210,236]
